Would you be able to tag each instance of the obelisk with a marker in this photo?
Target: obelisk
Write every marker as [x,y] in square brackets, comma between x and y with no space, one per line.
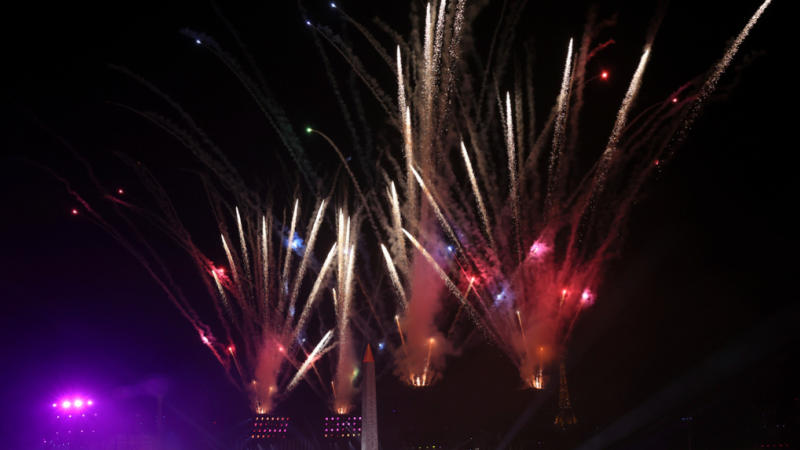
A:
[369,409]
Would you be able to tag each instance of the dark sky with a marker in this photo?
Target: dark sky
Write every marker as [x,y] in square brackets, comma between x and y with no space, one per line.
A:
[700,299]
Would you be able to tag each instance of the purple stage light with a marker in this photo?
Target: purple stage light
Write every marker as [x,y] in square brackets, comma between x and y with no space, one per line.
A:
[78,403]
[66,404]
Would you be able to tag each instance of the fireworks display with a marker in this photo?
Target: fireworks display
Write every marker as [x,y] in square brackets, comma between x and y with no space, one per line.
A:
[481,219]
[522,250]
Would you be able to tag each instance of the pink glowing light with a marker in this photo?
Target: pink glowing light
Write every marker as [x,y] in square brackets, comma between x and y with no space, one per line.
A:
[563,292]
[120,191]
[78,403]
[66,404]
[539,249]
[89,402]
[205,339]
[587,297]
[74,212]
[604,74]
[218,271]
[674,99]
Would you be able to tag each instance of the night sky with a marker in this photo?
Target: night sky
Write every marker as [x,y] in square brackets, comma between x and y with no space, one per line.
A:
[696,317]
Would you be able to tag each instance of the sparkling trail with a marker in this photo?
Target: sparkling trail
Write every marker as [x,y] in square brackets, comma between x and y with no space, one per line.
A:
[478,198]
[243,244]
[312,238]
[318,351]
[398,287]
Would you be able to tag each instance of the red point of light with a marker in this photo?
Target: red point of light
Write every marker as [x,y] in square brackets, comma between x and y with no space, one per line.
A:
[281,349]
[563,292]
[604,74]
[674,99]
[205,340]
[231,349]
[74,212]
[120,191]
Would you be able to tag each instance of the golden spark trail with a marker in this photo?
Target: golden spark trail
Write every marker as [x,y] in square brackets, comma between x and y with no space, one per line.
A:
[234,271]
[408,143]
[318,351]
[411,195]
[560,123]
[398,287]
[711,83]
[401,87]
[342,244]
[397,224]
[232,352]
[512,175]
[289,247]
[522,330]
[265,256]
[351,260]
[449,283]
[478,198]
[461,307]
[622,115]
[312,297]
[243,244]
[312,237]
[346,362]
[439,36]
[446,226]
[221,291]
[427,362]
[428,55]
[400,332]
